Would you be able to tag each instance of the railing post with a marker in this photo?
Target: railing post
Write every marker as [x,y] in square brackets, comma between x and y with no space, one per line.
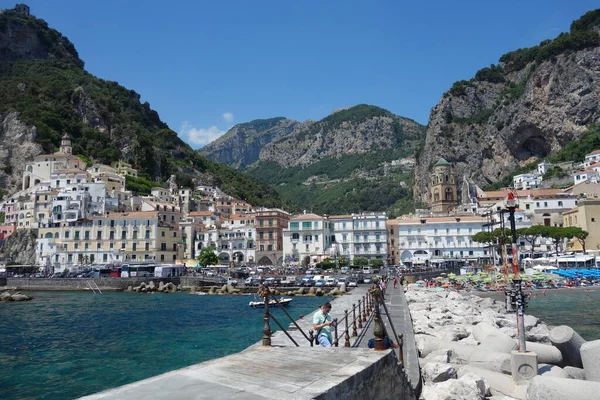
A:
[378,327]
[364,309]
[346,334]
[335,328]
[360,325]
[354,333]
[267,327]
[311,337]
[400,349]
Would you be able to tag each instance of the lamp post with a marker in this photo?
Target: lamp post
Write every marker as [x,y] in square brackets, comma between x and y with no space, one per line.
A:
[517,290]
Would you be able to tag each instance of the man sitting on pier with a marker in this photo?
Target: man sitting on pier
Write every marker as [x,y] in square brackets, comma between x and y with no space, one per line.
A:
[322,323]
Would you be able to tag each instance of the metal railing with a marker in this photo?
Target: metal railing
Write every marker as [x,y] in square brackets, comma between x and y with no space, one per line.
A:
[379,329]
[360,313]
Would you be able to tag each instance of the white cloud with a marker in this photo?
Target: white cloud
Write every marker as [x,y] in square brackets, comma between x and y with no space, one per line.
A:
[228,117]
[199,136]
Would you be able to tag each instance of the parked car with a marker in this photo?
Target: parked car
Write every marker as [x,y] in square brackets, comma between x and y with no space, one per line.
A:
[341,281]
[320,283]
[330,282]
[352,282]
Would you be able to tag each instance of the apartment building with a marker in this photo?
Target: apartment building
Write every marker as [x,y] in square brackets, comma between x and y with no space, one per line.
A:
[117,237]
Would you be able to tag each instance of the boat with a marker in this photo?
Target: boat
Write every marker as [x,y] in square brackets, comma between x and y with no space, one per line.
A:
[282,301]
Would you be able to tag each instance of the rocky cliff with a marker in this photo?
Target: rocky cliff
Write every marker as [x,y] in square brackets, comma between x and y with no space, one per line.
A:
[20,247]
[17,147]
[354,130]
[242,144]
[528,106]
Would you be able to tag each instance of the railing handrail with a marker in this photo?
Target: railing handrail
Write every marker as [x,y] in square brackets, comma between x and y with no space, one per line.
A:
[379,296]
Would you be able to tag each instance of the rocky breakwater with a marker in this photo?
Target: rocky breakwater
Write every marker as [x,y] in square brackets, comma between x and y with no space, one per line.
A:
[6,296]
[465,344]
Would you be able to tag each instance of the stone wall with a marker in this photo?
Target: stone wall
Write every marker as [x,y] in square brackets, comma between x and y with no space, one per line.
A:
[383,379]
[106,284]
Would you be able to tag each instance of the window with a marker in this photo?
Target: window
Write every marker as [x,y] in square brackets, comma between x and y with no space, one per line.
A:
[163,247]
[174,234]
[292,224]
[98,246]
[316,238]
[560,203]
[148,234]
[162,234]
[545,204]
[527,206]
[306,225]
[147,247]
[111,245]
[76,235]
[67,234]
[174,246]
[123,235]
[261,235]
[262,247]
[86,246]
[123,245]
[593,219]
[270,247]
[537,203]
[99,235]
[112,235]
[270,235]
[76,246]
[270,222]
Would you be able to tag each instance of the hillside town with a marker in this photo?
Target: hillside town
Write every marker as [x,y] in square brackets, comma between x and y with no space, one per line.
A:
[84,216]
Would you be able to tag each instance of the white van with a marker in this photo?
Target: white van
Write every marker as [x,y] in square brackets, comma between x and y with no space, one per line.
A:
[345,270]
[367,270]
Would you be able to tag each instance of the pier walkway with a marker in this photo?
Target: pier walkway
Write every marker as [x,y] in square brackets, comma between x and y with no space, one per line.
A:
[284,371]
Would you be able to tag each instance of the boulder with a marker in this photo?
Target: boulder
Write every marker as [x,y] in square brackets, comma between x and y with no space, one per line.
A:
[590,357]
[574,373]
[569,343]
[439,356]
[553,388]
[500,384]
[152,286]
[6,297]
[493,338]
[468,387]
[551,370]
[20,297]
[438,372]
[539,333]
[546,354]
[161,286]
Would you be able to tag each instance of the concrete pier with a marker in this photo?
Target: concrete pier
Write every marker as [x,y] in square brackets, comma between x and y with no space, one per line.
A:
[284,371]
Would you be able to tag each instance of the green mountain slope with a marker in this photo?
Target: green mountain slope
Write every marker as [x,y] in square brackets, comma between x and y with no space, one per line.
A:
[44,86]
[338,165]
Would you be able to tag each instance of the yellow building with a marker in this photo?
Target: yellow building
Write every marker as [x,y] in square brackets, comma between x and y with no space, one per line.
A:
[117,237]
[587,217]
[125,169]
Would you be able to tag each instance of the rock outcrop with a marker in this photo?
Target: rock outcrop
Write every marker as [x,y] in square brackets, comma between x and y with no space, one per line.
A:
[529,106]
[20,247]
[17,147]
[242,144]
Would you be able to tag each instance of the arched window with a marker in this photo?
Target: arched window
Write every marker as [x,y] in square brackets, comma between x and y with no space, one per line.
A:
[449,196]
[446,178]
[436,195]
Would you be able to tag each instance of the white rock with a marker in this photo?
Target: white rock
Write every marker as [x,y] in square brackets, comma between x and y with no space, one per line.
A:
[437,372]
[477,382]
[452,389]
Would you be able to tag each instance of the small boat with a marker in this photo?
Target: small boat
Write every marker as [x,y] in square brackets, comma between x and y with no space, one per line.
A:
[283,301]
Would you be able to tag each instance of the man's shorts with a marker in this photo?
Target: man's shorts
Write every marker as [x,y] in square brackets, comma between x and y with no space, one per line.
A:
[324,341]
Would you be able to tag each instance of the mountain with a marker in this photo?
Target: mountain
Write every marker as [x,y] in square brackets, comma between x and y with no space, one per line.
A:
[47,93]
[529,106]
[332,166]
[241,145]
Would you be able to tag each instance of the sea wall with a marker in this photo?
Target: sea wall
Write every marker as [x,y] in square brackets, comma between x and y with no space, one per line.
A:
[77,284]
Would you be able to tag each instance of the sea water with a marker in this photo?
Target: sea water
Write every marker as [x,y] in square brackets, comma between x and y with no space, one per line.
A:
[63,345]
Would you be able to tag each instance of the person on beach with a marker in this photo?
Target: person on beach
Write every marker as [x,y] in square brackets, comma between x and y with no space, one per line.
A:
[322,323]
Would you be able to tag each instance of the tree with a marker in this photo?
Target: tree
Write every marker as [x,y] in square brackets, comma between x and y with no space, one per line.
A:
[556,233]
[343,261]
[376,263]
[577,233]
[360,261]
[207,256]
[531,234]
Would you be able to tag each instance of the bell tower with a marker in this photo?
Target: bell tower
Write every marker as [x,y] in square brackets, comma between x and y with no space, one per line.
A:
[65,145]
[443,187]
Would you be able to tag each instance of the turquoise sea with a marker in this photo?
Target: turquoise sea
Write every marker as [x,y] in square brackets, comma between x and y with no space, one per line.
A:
[63,345]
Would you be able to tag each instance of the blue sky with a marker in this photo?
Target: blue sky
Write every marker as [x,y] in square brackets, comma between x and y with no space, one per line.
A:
[207,65]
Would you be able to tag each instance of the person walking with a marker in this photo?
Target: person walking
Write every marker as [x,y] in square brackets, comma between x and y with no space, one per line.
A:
[322,323]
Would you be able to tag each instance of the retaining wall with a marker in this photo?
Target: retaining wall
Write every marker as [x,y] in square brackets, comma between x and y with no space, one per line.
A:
[75,284]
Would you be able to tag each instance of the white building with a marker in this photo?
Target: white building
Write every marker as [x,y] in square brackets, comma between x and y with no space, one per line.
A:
[234,247]
[587,175]
[307,238]
[543,167]
[358,235]
[591,158]
[437,241]
[70,205]
[527,181]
